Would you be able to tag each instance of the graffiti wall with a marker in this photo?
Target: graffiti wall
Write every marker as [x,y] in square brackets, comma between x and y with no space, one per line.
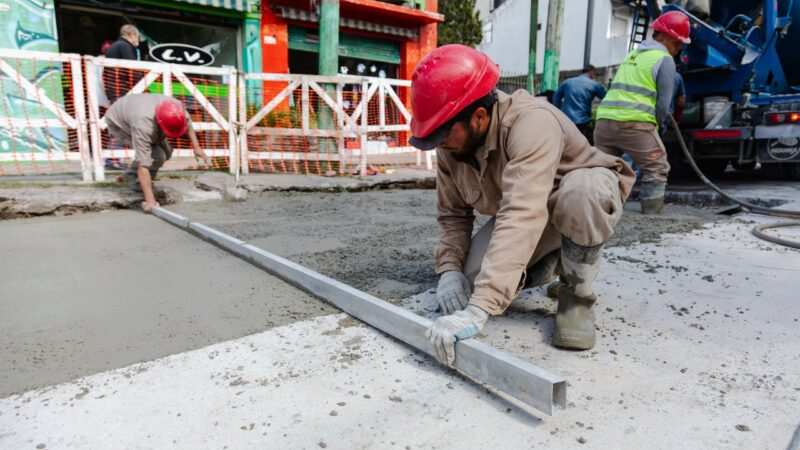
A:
[30,25]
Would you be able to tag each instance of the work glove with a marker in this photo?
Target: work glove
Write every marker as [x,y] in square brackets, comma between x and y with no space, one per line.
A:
[446,330]
[453,291]
[149,207]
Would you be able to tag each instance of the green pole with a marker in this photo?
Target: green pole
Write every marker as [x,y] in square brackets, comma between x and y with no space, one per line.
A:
[328,65]
[552,45]
[328,37]
[533,33]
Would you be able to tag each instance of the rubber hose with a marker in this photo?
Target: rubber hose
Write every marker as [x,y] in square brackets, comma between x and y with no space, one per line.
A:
[757,231]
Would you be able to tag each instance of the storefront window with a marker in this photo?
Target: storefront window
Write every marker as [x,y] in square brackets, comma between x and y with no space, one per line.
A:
[219,41]
[89,28]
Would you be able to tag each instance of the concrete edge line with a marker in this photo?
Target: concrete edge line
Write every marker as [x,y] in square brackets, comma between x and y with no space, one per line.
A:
[521,380]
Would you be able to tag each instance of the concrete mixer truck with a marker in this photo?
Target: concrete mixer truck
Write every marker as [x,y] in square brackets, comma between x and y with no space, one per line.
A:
[742,78]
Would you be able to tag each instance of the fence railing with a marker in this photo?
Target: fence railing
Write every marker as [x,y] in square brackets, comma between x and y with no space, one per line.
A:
[211,119]
[335,122]
[244,121]
[42,120]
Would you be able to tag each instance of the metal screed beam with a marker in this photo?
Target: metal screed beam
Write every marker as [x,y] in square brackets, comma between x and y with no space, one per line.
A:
[521,380]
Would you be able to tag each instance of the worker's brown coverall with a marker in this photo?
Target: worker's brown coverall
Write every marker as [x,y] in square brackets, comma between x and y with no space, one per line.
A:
[540,179]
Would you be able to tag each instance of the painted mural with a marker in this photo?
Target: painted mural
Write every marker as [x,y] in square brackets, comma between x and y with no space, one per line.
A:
[30,25]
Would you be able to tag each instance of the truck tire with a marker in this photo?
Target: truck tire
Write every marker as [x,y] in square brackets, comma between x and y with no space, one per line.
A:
[713,168]
[679,168]
[791,171]
[782,171]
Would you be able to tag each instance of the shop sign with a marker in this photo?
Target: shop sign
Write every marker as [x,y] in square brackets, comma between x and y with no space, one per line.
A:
[181,54]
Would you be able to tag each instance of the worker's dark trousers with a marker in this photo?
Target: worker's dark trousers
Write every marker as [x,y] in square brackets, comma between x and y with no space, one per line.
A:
[642,143]
[160,155]
[588,131]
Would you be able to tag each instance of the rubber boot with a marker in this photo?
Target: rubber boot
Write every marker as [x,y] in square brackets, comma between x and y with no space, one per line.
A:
[652,205]
[544,271]
[552,290]
[651,197]
[574,318]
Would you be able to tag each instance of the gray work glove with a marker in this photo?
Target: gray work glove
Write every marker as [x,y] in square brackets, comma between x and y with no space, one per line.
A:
[446,330]
[453,292]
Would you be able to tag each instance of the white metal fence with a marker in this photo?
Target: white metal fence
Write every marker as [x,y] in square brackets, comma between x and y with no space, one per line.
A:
[36,115]
[245,121]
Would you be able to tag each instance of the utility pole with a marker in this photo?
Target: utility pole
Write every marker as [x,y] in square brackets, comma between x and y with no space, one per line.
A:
[552,45]
[532,35]
[328,64]
[328,37]
[587,43]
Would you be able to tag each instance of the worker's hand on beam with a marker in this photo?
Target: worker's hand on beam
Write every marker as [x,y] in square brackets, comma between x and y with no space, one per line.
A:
[148,207]
[203,161]
[453,292]
[446,330]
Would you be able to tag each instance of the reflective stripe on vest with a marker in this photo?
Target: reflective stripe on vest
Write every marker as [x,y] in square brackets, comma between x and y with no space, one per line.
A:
[632,95]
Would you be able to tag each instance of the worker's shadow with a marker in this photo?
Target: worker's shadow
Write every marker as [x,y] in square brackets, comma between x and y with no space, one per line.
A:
[527,323]
[532,311]
[500,402]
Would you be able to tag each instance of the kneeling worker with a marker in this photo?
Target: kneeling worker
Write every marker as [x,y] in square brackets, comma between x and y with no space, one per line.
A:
[143,122]
[521,160]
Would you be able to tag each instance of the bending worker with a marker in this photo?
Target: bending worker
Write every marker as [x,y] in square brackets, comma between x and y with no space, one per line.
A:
[638,101]
[575,96]
[143,122]
[521,160]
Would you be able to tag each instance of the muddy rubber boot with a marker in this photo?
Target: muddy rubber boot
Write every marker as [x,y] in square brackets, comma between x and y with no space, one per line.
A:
[652,205]
[574,318]
[552,289]
[574,321]
[544,271]
[651,197]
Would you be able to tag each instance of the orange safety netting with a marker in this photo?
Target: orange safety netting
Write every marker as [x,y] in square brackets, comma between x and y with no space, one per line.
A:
[35,137]
[340,151]
[117,81]
[39,124]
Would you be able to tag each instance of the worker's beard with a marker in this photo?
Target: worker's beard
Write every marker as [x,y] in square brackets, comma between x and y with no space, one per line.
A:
[473,143]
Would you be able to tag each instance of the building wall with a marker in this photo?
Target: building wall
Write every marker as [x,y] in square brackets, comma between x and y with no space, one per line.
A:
[30,26]
[506,31]
[275,41]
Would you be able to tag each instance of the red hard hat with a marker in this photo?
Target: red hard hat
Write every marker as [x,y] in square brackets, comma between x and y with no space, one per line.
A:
[171,118]
[104,48]
[446,81]
[674,24]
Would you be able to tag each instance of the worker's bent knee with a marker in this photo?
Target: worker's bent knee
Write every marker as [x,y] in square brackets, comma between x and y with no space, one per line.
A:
[588,206]
[653,165]
[157,164]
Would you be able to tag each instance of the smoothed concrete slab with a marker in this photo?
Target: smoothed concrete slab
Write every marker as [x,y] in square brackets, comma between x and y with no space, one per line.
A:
[88,293]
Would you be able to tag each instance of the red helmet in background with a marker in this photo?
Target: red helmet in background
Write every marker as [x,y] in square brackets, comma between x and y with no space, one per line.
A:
[446,81]
[104,48]
[171,118]
[674,24]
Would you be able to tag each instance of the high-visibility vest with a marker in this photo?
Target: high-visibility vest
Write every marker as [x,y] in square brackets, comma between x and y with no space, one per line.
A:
[632,95]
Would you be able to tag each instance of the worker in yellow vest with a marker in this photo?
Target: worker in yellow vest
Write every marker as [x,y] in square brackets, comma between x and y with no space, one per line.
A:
[638,100]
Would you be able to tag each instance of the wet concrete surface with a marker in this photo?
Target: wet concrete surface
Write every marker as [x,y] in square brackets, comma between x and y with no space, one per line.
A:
[88,293]
[696,349]
[383,241]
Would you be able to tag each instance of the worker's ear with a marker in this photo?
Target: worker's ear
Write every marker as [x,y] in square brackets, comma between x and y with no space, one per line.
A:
[480,120]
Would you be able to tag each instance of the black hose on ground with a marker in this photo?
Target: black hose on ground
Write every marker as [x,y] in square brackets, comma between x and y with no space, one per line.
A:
[757,231]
